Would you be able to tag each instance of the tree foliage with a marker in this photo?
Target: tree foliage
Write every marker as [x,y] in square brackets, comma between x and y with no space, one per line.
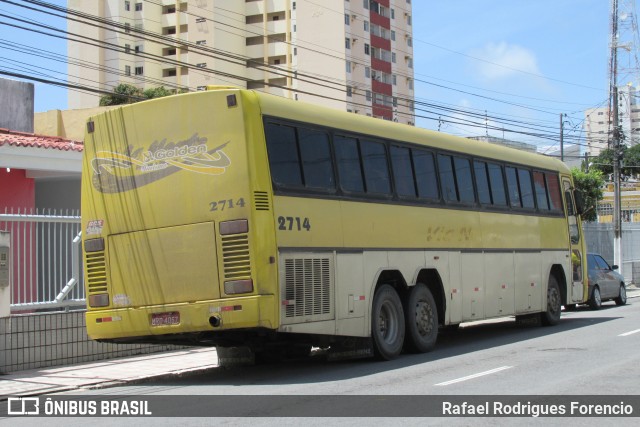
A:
[630,161]
[125,93]
[589,184]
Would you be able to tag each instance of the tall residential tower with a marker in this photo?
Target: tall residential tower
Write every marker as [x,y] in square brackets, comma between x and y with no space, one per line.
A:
[355,55]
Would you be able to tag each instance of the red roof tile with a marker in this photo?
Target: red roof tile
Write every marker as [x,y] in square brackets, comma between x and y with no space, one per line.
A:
[25,139]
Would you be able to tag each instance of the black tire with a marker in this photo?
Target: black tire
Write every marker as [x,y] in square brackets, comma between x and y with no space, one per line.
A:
[595,302]
[622,295]
[421,320]
[551,316]
[570,307]
[387,323]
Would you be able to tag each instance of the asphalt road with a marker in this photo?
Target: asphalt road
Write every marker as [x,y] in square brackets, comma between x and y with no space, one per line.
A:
[588,353]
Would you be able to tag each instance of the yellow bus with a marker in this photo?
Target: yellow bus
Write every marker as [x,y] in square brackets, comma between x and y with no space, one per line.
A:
[230,217]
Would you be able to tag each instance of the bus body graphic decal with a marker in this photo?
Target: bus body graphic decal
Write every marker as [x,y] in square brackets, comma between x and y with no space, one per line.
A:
[117,172]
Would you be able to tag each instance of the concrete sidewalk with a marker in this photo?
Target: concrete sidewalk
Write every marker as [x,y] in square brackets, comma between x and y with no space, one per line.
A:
[120,371]
[106,373]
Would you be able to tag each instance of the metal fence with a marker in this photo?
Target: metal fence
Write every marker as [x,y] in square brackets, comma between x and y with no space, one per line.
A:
[599,239]
[45,264]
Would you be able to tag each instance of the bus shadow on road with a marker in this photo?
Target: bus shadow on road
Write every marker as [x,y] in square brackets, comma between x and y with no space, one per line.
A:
[468,338]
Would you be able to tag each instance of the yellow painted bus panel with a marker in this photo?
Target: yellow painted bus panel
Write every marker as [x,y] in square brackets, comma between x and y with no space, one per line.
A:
[164,266]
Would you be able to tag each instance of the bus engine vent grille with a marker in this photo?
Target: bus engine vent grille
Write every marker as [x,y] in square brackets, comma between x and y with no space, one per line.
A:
[96,272]
[261,200]
[308,289]
[235,257]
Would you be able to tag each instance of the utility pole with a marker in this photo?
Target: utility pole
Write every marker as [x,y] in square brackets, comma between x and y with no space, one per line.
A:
[615,142]
[561,138]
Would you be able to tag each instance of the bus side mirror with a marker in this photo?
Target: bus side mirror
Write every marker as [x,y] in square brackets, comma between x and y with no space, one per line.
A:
[577,195]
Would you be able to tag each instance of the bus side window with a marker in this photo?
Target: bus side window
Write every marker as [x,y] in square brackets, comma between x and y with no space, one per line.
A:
[526,191]
[447,178]
[283,155]
[553,187]
[464,180]
[496,182]
[426,176]
[403,171]
[512,184]
[376,167]
[348,158]
[482,182]
[541,191]
[316,159]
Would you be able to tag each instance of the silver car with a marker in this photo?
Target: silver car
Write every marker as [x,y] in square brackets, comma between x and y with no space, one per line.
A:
[604,282]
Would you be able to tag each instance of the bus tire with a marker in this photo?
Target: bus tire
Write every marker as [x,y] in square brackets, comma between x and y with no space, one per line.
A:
[421,320]
[387,323]
[551,316]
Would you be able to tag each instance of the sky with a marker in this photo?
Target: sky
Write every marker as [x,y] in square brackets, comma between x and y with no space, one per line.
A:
[519,60]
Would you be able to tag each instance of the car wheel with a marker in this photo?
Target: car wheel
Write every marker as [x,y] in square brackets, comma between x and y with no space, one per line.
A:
[622,296]
[595,302]
[387,323]
[421,320]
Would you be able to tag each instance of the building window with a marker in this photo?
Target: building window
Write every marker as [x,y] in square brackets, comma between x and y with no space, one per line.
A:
[127,27]
[368,95]
[366,48]
[408,19]
[393,77]
[347,43]
[348,66]
[393,14]
[127,5]
[139,71]
[349,91]
[199,20]
[347,19]
[367,72]
[409,41]
[127,48]
[393,57]
[127,70]
[201,42]
[201,65]
[139,48]
[138,7]
[393,35]
[366,25]
[169,73]
[365,4]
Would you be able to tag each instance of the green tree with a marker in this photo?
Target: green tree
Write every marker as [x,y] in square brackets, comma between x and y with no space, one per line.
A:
[589,184]
[122,94]
[125,93]
[158,92]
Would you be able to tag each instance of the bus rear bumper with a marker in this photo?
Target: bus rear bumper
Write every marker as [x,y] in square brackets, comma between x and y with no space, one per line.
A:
[203,316]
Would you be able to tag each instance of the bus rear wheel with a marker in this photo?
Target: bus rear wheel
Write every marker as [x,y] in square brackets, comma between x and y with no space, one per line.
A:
[387,323]
[421,319]
[554,303]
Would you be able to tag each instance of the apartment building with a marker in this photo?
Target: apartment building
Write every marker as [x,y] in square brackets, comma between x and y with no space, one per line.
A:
[598,121]
[354,55]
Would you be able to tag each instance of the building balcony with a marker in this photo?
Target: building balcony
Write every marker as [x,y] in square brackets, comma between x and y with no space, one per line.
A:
[272,49]
[258,7]
[174,19]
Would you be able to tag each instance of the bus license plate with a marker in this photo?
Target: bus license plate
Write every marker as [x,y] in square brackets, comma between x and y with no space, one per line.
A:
[163,319]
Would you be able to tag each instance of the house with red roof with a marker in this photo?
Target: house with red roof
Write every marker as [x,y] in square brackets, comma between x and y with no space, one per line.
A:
[38,172]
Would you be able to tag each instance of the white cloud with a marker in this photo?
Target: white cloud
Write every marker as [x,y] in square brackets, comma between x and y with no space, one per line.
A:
[504,60]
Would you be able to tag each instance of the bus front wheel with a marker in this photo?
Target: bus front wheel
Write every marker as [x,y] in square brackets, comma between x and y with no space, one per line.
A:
[421,319]
[387,323]
[554,303]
